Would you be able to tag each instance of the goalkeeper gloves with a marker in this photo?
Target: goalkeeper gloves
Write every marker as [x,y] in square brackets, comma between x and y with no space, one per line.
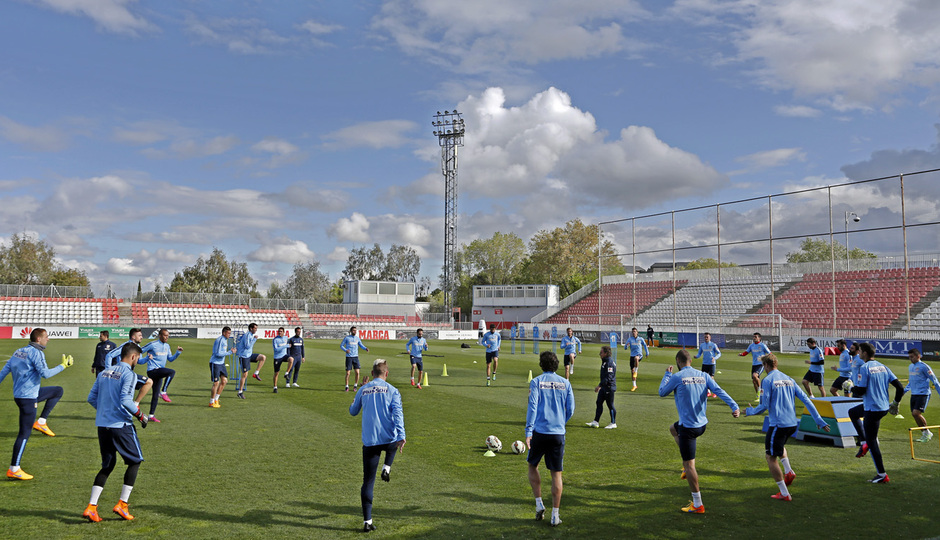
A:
[893,408]
[67,361]
[141,417]
[847,388]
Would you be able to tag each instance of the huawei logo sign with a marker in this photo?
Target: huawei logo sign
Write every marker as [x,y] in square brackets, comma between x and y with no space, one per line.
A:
[24,333]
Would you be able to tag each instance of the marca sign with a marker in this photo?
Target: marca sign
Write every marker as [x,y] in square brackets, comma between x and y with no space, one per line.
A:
[376,334]
[60,332]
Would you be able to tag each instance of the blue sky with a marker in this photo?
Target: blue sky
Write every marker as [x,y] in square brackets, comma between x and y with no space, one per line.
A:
[136,135]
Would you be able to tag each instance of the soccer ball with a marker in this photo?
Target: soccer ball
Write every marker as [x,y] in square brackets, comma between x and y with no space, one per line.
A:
[518,447]
[493,443]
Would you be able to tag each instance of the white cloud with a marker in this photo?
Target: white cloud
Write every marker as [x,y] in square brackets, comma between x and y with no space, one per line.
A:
[282,250]
[254,36]
[382,134]
[311,198]
[414,234]
[797,111]
[41,139]
[282,152]
[339,254]
[352,229]
[772,158]
[111,15]
[318,29]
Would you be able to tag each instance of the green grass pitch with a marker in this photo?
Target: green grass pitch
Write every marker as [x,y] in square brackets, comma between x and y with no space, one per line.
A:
[288,465]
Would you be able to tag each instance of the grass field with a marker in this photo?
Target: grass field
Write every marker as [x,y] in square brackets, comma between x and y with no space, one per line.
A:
[289,464]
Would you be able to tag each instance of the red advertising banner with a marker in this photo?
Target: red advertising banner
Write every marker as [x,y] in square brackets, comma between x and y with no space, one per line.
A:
[6,332]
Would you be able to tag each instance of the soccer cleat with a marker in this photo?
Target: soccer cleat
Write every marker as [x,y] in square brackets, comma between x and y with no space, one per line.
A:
[418,387]
[633,389]
[593,423]
[19,475]
[215,405]
[781,497]
[862,451]
[91,513]
[165,397]
[788,478]
[296,385]
[255,375]
[121,509]
[494,375]
[275,389]
[611,426]
[555,521]
[925,437]
[347,388]
[287,379]
[412,382]
[880,479]
[758,396]
[385,475]
[154,419]
[692,509]
[368,527]
[683,475]
[241,395]
[539,514]
[487,382]
[355,386]
[43,428]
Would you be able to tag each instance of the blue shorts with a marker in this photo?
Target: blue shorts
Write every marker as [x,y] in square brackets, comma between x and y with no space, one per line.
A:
[217,371]
[687,438]
[141,380]
[776,439]
[552,447]
[814,378]
[490,356]
[418,362]
[278,362]
[919,402]
[352,362]
[122,440]
[709,368]
[757,368]
[569,359]
[837,384]
[246,362]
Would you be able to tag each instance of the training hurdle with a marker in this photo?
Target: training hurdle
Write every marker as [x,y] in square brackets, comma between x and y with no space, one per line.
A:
[835,411]
[910,434]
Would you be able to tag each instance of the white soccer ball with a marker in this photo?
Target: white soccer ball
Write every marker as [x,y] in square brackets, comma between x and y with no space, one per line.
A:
[493,443]
[518,447]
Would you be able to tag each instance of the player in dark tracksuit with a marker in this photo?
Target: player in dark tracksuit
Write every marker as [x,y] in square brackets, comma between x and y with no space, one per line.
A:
[606,388]
[104,346]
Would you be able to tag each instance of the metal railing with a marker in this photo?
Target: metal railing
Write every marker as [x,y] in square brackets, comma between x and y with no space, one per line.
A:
[46,291]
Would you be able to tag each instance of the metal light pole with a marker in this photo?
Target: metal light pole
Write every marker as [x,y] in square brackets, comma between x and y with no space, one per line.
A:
[449,129]
[856,219]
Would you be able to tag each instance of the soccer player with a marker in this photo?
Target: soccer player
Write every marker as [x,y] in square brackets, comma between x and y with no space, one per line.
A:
[551,405]
[416,347]
[777,398]
[28,367]
[691,387]
[143,383]
[280,344]
[708,351]
[112,396]
[104,346]
[637,346]
[246,355]
[572,347]
[756,350]
[156,354]
[296,350]
[217,370]
[649,335]
[383,430]
[856,363]
[816,370]
[919,378]
[844,368]
[492,340]
[351,345]
[873,381]
[606,389]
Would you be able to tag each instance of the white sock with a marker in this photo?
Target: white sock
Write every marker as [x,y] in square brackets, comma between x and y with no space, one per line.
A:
[412,378]
[697,498]
[217,396]
[126,492]
[162,393]
[256,372]
[785,462]
[14,468]
[137,404]
[95,494]
[539,505]
[554,513]
[152,417]
[41,421]
[487,378]
[386,468]
[783,488]
[367,522]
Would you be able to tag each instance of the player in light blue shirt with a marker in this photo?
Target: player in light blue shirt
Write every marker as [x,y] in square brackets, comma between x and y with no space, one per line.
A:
[691,387]
[155,355]
[551,405]
[383,430]
[571,345]
[756,350]
[280,345]
[351,345]
[492,340]
[708,351]
[816,369]
[873,381]
[416,347]
[856,362]
[144,383]
[112,398]
[244,349]
[638,349]
[845,371]
[28,367]
[919,376]
[777,398]
[218,373]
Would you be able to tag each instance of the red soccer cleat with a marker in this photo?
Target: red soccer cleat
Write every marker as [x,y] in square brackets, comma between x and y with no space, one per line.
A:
[781,497]
[788,478]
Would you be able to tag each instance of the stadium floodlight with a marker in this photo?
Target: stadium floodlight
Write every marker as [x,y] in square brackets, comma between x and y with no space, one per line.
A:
[856,219]
[449,129]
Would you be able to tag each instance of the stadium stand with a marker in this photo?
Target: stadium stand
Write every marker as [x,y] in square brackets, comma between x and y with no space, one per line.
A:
[616,299]
[210,315]
[31,310]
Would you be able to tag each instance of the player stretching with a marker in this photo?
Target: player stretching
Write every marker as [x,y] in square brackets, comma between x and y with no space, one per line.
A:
[919,378]
[691,387]
[569,343]
[351,345]
[491,340]
[708,351]
[756,350]
[551,405]
[28,367]
[637,347]
[606,389]
[844,368]
[280,344]
[217,370]
[873,381]
[143,383]
[296,350]
[416,347]
[777,398]
[816,370]
[156,355]
[246,355]
[383,430]
[112,396]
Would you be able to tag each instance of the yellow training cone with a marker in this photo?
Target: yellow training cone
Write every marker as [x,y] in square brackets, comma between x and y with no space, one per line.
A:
[424,382]
[445,371]
[530,376]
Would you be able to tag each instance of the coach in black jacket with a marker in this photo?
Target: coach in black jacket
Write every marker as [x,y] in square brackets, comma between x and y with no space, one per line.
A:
[105,345]
[606,389]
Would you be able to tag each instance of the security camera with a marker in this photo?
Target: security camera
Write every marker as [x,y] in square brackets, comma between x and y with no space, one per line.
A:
[856,219]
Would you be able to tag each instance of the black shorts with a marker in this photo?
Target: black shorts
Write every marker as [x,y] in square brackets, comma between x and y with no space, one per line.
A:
[814,378]
[552,447]
[759,368]
[352,362]
[687,438]
[919,402]
[278,362]
[217,371]
[776,439]
[141,380]
[417,362]
[122,440]
[246,362]
[490,356]
[837,384]
[709,368]
[635,362]
[569,359]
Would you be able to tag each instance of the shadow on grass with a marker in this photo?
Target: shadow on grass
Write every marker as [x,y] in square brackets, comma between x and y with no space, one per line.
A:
[261,518]
[68,518]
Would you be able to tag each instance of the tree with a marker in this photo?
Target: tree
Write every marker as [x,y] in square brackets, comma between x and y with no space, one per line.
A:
[706,262]
[69,277]
[364,263]
[26,262]
[214,275]
[567,257]
[812,250]
[308,282]
[402,264]
[275,290]
[497,259]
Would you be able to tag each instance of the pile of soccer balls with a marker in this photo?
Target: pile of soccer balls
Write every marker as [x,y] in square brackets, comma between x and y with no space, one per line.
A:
[494,444]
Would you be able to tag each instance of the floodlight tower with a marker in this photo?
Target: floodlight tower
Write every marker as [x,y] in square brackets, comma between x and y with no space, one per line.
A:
[449,129]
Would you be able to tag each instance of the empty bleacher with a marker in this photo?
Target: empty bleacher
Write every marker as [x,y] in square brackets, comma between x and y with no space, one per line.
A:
[210,315]
[616,299]
[49,311]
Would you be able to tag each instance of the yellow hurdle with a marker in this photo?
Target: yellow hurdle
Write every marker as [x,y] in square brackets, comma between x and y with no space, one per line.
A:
[910,434]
